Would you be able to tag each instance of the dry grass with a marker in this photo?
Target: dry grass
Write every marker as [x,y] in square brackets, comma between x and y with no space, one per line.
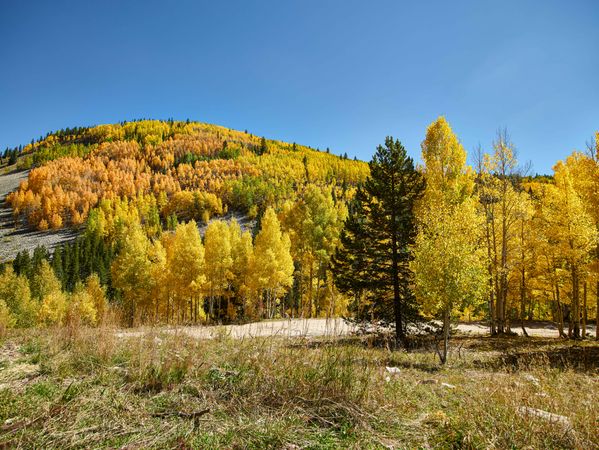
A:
[91,389]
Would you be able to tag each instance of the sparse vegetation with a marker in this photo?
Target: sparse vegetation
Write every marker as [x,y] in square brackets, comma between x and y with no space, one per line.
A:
[81,388]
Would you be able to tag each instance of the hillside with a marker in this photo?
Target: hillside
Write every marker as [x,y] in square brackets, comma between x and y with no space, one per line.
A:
[15,238]
[189,169]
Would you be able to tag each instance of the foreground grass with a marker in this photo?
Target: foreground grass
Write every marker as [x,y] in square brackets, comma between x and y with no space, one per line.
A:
[89,389]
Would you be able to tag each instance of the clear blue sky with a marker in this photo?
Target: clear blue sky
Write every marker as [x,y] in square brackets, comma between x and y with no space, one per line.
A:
[339,74]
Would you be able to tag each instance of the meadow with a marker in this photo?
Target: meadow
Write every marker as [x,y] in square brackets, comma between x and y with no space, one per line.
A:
[78,387]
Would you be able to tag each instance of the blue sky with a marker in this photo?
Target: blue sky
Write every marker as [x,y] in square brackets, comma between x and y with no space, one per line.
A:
[338,74]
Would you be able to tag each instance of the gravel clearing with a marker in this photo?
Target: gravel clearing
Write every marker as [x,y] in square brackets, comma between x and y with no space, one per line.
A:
[314,328]
[15,239]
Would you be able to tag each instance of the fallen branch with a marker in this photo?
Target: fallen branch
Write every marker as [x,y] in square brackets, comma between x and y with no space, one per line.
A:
[550,417]
[185,415]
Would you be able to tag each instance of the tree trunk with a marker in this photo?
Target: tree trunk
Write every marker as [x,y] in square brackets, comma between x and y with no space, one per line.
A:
[333,299]
[310,301]
[584,310]
[575,314]
[490,269]
[531,307]
[503,287]
[168,304]
[446,326]
[522,300]
[399,332]
[495,279]
[560,312]
[597,313]
[318,279]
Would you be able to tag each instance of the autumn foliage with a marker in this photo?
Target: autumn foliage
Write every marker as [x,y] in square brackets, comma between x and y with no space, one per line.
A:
[154,201]
[199,170]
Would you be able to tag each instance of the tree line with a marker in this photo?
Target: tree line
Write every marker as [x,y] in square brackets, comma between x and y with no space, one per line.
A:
[408,243]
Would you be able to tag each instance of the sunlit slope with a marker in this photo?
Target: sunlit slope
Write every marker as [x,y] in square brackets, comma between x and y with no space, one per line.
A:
[190,169]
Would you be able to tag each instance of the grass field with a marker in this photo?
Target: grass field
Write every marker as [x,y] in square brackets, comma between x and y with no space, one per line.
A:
[90,388]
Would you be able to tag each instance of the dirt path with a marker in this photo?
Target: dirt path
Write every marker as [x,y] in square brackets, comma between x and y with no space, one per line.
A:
[15,239]
[316,327]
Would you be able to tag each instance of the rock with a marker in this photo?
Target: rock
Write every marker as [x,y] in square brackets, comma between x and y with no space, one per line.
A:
[448,386]
[534,380]
[393,370]
[119,370]
[526,411]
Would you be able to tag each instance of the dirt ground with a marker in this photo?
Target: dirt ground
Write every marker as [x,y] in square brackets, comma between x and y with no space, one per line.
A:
[14,239]
[324,327]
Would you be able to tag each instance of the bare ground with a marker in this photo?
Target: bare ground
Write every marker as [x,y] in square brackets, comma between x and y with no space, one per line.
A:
[323,327]
[16,237]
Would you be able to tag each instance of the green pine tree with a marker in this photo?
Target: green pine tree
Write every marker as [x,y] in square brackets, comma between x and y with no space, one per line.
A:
[57,265]
[373,261]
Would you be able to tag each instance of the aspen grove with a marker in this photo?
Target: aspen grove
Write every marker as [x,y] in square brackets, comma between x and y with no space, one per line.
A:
[185,223]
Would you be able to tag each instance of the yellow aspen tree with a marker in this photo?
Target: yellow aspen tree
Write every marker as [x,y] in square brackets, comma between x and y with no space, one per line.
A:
[525,249]
[53,309]
[584,168]
[185,265]
[47,289]
[7,320]
[16,295]
[448,265]
[44,281]
[313,223]
[157,298]
[81,308]
[131,270]
[242,252]
[572,229]
[217,245]
[97,293]
[498,199]
[552,275]
[272,263]
[447,174]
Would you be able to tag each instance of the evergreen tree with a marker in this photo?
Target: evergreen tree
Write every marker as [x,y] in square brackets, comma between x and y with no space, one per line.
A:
[57,265]
[40,253]
[75,274]
[263,147]
[22,264]
[66,265]
[374,261]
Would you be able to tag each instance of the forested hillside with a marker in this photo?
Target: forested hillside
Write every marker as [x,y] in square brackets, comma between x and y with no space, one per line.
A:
[330,236]
[139,192]
[192,170]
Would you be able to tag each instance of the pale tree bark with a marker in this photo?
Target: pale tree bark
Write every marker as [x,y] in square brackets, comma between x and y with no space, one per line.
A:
[584,310]
[575,313]
[446,329]
[560,312]
[597,313]
[523,300]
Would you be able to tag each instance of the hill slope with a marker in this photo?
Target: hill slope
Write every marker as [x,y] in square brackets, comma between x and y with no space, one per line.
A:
[189,169]
[14,238]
